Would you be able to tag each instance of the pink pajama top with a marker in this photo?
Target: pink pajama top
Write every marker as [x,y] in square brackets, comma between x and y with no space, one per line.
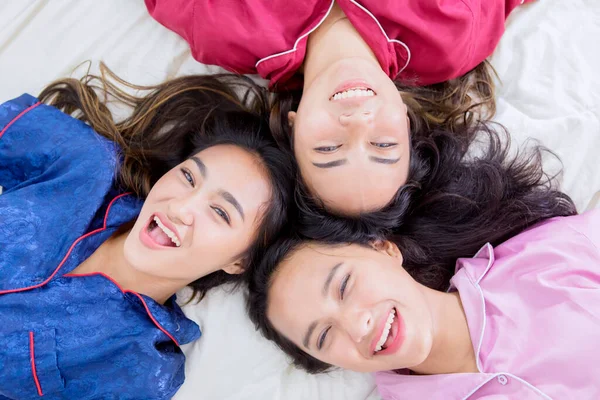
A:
[533,309]
[417,41]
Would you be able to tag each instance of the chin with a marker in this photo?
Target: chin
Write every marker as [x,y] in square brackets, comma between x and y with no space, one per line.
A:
[134,254]
[420,351]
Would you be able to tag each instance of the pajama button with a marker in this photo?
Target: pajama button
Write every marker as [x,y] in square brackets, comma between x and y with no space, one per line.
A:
[502,379]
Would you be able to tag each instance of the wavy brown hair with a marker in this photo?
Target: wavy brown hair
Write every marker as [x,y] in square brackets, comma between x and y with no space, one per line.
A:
[171,122]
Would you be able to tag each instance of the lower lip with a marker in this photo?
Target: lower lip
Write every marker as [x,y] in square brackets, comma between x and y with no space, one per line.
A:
[352,85]
[148,241]
[397,329]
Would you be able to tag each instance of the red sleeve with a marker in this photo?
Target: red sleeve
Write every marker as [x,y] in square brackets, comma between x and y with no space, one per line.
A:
[447,39]
[489,22]
[176,15]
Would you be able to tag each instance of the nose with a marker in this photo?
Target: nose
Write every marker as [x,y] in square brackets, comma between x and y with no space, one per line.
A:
[180,211]
[358,324]
[356,118]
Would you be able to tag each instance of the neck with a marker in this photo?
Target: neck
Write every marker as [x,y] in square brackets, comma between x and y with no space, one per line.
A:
[109,259]
[334,40]
[452,350]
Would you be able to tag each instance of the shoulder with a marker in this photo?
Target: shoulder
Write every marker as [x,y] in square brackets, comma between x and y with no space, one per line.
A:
[270,28]
[30,127]
[156,369]
[563,232]
[560,252]
[440,40]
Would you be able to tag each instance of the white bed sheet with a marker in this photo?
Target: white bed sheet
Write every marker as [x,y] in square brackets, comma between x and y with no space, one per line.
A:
[550,91]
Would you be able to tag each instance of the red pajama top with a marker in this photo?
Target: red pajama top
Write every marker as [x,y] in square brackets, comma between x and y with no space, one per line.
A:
[418,41]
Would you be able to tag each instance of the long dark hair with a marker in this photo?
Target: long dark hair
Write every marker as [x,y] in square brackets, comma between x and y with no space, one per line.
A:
[453,203]
[175,120]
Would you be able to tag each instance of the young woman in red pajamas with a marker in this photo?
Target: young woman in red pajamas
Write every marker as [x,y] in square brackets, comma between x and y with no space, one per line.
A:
[366,70]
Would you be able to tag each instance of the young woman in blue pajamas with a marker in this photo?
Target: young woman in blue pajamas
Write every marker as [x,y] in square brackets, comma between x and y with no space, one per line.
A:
[101,223]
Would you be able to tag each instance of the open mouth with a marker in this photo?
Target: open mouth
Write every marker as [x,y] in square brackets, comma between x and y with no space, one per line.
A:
[356,92]
[390,338]
[160,234]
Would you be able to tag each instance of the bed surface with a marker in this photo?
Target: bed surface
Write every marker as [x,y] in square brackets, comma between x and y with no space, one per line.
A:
[548,64]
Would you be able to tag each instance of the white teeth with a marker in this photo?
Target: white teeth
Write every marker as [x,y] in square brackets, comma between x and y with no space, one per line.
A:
[167,232]
[353,93]
[386,331]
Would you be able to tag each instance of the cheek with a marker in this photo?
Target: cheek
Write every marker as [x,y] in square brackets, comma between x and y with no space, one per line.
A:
[215,243]
[344,353]
[167,187]
[389,283]
[133,250]
[311,127]
[394,122]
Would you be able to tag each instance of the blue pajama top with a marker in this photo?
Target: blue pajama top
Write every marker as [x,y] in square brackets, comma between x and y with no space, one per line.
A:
[73,336]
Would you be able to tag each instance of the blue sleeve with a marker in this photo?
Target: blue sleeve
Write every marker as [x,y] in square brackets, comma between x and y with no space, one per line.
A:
[35,138]
[14,168]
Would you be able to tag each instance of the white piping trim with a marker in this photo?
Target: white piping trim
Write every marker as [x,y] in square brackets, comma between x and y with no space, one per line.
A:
[529,385]
[491,260]
[489,247]
[298,40]
[319,24]
[496,375]
[481,341]
[483,325]
[385,34]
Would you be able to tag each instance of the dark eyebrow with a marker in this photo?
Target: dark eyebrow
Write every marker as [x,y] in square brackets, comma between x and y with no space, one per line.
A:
[330,278]
[201,166]
[312,326]
[232,200]
[331,164]
[384,160]
[309,333]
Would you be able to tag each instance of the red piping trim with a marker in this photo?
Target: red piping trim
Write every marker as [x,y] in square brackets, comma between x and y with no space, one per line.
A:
[159,326]
[33,370]
[25,111]
[69,252]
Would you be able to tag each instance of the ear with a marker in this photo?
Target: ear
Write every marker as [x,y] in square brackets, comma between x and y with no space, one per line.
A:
[291,118]
[235,268]
[387,247]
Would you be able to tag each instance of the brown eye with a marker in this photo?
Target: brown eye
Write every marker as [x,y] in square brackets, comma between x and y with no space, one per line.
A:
[322,338]
[384,145]
[223,214]
[188,176]
[327,149]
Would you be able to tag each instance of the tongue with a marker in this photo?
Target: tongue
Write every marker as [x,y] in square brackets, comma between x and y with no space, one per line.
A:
[160,237]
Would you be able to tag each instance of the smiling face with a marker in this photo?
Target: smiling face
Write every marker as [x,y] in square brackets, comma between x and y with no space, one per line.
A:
[200,216]
[351,137]
[353,307]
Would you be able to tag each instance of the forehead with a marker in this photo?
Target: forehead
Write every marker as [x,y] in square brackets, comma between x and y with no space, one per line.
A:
[295,291]
[351,189]
[301,276]
[231,159]
[297,269]
[238,169]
